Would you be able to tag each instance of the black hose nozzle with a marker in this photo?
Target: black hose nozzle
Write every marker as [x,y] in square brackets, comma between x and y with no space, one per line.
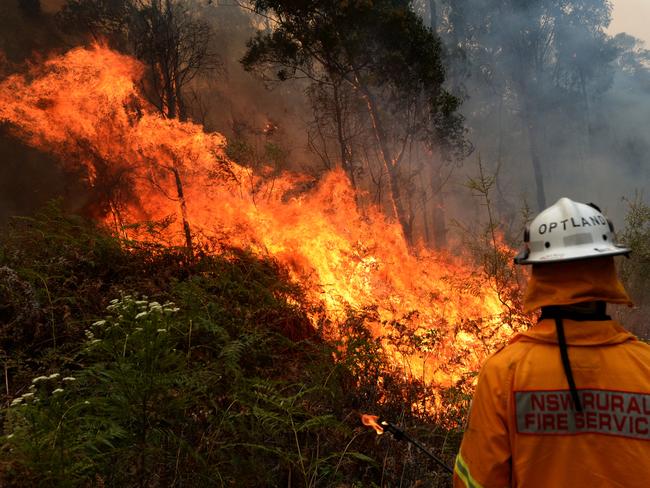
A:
[401,435]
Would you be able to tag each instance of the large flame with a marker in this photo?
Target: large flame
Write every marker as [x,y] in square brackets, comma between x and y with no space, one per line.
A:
[85,107]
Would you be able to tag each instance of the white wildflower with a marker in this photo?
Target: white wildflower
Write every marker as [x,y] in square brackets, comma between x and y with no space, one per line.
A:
[139,329]
[16,401]
[89,334]
[161,330]
[95,341]
[26,396]
[32,387]
[53,376]
[69,378]
[57,391]
[154,305]
[141,302]
[114,301]
[39,379]
[10,436]
[140,315]
[99,323]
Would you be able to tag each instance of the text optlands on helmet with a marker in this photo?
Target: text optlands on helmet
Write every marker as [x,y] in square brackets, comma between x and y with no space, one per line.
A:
[568,231]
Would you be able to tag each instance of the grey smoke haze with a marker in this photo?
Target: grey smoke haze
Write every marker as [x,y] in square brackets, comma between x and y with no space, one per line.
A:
[585,93]
[593,145]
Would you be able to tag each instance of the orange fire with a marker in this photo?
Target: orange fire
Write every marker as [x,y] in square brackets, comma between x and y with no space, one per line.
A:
[170,179]
[371,421]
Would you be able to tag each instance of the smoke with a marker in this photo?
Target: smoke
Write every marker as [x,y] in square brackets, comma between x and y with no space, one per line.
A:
[229,100]
[238,104]
[587,99]
[544,80]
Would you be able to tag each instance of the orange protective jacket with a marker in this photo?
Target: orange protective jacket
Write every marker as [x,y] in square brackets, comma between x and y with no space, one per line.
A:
[523,430]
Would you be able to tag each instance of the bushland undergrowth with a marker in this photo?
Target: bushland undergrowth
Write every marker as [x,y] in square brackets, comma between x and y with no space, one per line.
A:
[635,270]
[126,364]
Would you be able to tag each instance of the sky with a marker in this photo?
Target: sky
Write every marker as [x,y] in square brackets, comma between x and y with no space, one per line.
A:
[633,17]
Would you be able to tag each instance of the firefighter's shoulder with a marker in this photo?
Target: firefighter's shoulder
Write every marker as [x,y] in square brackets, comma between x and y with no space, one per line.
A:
[498,371]
[511,346]
[507,354]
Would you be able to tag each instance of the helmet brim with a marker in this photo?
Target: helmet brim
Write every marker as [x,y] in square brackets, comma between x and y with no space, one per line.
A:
[576,254]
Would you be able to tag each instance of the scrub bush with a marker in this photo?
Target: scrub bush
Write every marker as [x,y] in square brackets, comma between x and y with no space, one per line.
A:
[635,270]
[126,364]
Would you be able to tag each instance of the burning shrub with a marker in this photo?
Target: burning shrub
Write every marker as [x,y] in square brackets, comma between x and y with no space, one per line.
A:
[173,177]
[407,327]
[236,386]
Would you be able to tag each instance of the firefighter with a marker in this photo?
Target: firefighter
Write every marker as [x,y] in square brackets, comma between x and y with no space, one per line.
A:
[567,403]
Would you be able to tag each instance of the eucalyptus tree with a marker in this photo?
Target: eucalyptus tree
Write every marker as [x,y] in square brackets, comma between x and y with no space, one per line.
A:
[389,59]
[172,41]
[169,36]
[542,59]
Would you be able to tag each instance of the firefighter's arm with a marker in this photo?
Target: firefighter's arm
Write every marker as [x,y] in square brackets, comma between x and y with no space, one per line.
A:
[484,459]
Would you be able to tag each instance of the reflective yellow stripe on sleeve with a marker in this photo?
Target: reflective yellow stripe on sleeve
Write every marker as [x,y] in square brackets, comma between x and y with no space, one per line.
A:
[463,473]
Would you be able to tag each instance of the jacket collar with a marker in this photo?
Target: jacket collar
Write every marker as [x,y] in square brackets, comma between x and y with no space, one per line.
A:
[583,333]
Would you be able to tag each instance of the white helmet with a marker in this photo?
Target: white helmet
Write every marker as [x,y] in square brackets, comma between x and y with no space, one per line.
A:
[568,231]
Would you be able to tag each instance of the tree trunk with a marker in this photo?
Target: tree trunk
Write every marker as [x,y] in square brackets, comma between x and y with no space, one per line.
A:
[587,152]
[535,160]
[439,216]
[338,115]
[425,212]
[433,16]
[180,101]
[183,204]
[391,167]
[170,98]
[530,106]
[120,228]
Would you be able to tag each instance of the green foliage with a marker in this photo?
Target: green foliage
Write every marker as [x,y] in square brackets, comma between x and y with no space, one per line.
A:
[492,249]
[636,235]
[382,49]
[268,154]
[201,373]
[635,270]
